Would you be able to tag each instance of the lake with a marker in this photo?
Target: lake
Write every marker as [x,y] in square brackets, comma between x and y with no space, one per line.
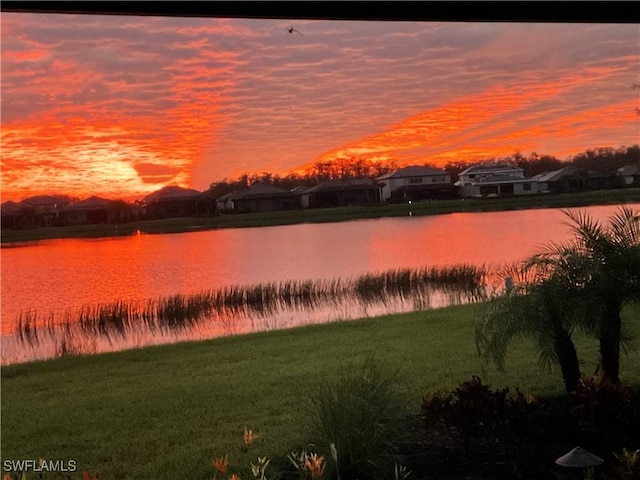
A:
[57,276]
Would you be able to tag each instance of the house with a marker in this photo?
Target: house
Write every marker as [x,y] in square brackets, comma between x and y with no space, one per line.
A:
[571,179]
[46,203]
[10,213]
[259,197]
[172,201]
[415,183]
[94,210]
[566,179]
[485,171]
[342,192]
[603,180]
[495,180]
[629,175]
[43,210]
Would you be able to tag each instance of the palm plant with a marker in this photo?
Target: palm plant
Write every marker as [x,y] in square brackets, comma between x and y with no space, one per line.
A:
[603,264]
[537,306]
[583,283]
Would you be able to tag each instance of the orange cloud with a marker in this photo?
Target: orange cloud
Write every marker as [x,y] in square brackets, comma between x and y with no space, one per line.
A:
[500,121]
[75,127]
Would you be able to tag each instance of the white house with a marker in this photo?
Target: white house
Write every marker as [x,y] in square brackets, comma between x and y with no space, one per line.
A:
[495,180]
[415,183]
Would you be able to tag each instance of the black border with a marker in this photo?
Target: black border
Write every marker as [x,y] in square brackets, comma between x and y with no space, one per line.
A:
[452,11]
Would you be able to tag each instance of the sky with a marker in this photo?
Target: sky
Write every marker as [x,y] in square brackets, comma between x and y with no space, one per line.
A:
[120,106]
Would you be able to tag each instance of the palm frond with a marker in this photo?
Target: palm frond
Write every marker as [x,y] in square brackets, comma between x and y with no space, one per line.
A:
[585,228]
[499,324]
[625,226]
[547,356]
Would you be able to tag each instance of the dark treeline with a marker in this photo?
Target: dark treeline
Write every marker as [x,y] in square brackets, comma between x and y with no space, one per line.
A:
[602,160]
[319,172]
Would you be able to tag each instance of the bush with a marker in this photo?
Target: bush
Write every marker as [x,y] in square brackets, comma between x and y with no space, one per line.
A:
[606,414]
[477,417]
[359,412]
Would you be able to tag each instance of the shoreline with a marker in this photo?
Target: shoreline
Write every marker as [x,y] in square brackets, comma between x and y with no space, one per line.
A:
[324,215]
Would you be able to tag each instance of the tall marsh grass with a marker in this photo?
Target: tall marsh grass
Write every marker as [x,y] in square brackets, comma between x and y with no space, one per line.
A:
[179,313]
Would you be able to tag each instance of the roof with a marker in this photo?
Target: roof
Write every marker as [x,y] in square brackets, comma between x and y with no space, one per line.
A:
[258,190]
[629,170]
[46,200]
[91,203]
[10,207]
[556,175]
[496,180]
[413,171]
[225,197]
[341,185]
[170,193]
[490,168]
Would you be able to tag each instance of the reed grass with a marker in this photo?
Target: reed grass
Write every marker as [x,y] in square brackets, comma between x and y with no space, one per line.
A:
[180,312]
[26,326]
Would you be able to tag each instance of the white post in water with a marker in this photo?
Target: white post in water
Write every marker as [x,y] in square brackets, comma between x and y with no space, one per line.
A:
[508,284]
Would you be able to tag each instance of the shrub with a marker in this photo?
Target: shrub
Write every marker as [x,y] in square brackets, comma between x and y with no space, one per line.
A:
[359,413]
[629,463]
[605,412]
[476,416]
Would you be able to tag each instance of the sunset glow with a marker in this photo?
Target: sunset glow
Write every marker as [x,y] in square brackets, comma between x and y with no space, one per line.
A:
[122,106]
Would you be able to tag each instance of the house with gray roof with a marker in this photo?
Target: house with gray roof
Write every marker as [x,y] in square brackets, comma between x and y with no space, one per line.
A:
[43,210]
[415,183]
[566,179]
[172,201]
[10,214]
[495,180]
[258,197]
[341,192]
[95,210]
[571,179]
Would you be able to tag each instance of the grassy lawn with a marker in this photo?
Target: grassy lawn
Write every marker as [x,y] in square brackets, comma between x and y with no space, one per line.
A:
[165,412]
[320,215]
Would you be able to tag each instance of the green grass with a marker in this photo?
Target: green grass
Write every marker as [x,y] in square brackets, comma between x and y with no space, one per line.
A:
[320,215]
[164,412]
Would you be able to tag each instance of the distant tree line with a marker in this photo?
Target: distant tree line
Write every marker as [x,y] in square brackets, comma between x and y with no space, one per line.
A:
[321,171]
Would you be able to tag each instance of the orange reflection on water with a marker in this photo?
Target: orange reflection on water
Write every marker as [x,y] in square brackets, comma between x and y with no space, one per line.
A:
[61,276]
